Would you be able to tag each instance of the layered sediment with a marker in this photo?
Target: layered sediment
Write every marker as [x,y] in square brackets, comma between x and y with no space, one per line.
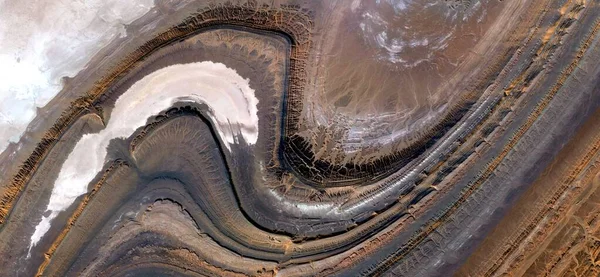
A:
[185,179]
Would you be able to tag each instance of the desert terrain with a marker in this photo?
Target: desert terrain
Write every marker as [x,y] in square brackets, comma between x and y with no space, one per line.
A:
[300,138]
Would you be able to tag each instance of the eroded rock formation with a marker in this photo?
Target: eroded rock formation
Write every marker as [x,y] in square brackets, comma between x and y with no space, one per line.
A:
[255,159]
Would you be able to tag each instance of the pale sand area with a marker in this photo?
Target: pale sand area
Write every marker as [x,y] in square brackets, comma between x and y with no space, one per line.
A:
[416,60]
[232,107]
[43,41]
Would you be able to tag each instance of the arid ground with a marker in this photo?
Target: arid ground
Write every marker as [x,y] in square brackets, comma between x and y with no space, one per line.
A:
[300,138]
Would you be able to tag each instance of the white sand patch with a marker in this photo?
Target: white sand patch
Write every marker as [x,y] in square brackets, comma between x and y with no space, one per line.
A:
[42,41]
[229,96]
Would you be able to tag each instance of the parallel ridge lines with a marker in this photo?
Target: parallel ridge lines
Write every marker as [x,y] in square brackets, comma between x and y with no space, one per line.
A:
[71,222]
[491,166]
[287,20]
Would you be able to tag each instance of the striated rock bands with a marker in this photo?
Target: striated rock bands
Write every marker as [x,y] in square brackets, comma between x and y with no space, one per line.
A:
[201,149]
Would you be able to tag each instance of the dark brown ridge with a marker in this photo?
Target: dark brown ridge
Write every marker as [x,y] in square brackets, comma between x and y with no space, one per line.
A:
[295,153]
